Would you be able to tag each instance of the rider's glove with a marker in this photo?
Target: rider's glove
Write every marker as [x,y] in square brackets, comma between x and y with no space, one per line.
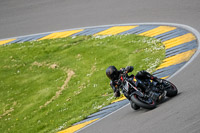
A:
[160,81]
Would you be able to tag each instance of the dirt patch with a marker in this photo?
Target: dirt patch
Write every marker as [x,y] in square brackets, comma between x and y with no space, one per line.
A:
[38,64]
[7,112]
[53,66]
[93,69]
[70,73]
[44,64]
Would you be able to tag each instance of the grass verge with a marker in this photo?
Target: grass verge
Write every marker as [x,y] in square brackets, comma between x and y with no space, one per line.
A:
[49,85]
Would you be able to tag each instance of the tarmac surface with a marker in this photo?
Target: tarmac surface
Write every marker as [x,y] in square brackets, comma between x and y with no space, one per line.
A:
[180,114]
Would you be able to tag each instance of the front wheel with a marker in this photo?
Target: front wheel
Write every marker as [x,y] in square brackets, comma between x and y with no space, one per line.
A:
[144,103]
[171,89]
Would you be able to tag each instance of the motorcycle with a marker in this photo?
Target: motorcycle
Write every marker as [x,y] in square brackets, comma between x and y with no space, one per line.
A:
[148,98]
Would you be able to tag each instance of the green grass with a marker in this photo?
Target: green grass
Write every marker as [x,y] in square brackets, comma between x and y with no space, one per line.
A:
[35,96]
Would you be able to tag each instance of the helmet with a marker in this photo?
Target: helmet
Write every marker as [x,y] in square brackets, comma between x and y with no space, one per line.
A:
[129,68]
[112,72]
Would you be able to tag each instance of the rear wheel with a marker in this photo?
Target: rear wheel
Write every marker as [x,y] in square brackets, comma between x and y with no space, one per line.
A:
[171,89]
[134,106]
[144,103]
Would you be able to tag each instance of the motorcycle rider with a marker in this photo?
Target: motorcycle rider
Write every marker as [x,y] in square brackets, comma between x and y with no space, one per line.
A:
[114,75]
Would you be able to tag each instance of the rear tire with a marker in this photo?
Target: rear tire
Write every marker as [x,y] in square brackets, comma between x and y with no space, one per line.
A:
[143,104]
[134,106]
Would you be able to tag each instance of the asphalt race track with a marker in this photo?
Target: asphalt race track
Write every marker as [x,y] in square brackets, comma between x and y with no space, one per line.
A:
[178,115]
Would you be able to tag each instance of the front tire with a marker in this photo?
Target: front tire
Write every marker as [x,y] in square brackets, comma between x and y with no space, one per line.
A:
[150,104]
[171,90]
